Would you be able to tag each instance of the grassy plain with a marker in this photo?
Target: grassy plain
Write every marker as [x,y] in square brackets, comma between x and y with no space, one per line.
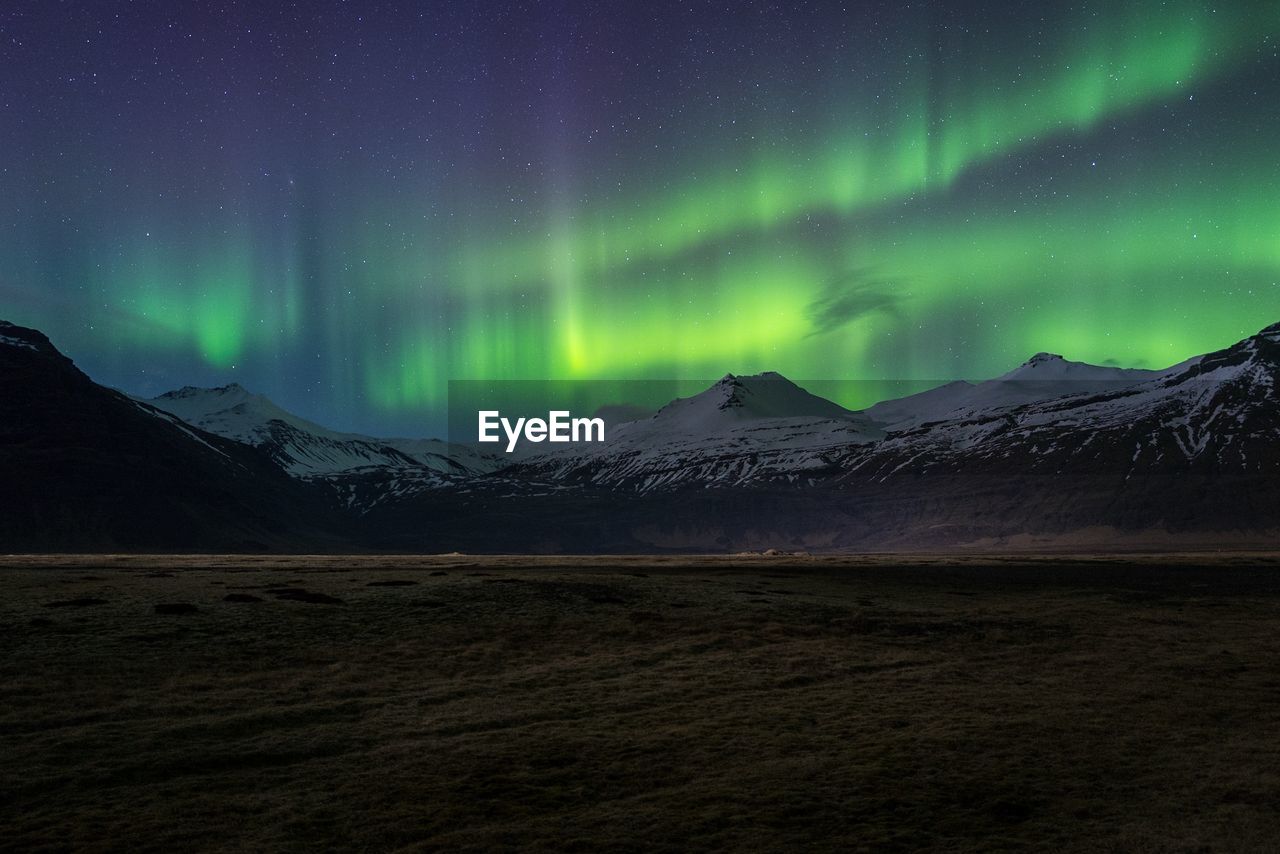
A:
[1091,702]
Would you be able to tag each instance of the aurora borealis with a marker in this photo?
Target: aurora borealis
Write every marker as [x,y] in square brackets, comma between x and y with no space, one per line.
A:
[345,205]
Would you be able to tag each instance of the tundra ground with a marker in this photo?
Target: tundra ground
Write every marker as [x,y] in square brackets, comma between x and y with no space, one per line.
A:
[745,703]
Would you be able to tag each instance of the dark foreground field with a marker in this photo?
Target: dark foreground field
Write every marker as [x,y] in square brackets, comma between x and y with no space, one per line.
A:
[750,704]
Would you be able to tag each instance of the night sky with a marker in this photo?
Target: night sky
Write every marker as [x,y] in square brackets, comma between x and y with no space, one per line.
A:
[345,205]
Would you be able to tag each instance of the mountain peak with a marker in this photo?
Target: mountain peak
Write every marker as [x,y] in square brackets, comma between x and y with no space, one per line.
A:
[229,410]
[741,379]
[1050,367]
[739,391]
[188,392]
[23,338]
[729,383]
[764,395]
[1271,332]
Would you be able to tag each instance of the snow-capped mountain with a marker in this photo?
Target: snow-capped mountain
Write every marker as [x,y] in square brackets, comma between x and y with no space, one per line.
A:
[738,430]
[1218,411]
[1042,377]
[306,449]
[361,470]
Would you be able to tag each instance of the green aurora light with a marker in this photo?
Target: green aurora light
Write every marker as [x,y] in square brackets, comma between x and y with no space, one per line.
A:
[1100,182]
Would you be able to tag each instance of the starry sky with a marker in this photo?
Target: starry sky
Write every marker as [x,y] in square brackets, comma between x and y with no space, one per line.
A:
[346,205]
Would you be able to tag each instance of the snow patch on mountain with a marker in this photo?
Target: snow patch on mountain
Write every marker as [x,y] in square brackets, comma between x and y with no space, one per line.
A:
[17,342]
[1045,376]
[20,337]
[178,423]
[304,448]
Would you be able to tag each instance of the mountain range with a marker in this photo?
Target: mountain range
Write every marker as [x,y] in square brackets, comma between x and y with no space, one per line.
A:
[1053,454]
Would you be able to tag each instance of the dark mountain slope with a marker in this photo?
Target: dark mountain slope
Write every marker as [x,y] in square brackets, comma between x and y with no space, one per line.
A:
[83,467]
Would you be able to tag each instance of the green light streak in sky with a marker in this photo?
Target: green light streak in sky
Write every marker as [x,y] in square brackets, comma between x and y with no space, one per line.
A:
[1175,266]
[1112,58]
[722,259]
[630,289]
[209,305]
